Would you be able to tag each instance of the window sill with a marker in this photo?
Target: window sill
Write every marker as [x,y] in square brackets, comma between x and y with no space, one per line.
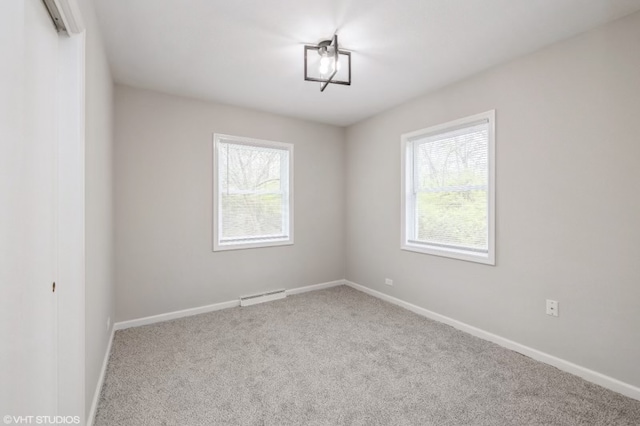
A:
[251,245]
[487,259]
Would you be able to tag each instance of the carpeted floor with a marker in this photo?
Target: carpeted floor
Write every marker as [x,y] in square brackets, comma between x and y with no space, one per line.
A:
[337,357]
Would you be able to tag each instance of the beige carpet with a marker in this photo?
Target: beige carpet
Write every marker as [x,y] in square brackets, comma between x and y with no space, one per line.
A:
[337,357]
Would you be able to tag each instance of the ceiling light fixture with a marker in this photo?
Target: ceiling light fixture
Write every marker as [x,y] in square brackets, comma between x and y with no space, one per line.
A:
[326,63]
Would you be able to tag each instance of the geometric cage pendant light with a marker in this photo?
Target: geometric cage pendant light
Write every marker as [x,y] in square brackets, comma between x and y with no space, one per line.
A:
[326,63]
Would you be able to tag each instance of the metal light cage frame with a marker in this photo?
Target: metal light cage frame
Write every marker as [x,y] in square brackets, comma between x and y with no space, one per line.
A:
[333,45]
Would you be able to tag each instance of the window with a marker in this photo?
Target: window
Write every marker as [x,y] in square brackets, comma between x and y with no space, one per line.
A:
[252,193]
[448,189]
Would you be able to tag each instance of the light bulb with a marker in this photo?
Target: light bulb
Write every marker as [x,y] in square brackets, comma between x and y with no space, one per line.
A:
[325,63]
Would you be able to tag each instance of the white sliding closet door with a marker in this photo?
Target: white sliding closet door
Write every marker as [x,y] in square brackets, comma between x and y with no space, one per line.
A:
[28,210]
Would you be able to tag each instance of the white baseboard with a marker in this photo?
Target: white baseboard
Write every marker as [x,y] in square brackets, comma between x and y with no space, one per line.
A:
[175,314]
[103,371]
[587,374]
[214,307]
[315,287]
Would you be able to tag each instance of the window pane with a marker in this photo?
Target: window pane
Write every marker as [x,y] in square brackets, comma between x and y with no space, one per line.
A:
[252,215]
[457,218]
[454,159]
[249,168]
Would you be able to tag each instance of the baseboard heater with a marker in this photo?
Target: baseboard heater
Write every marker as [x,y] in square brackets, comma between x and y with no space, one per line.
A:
[254,299]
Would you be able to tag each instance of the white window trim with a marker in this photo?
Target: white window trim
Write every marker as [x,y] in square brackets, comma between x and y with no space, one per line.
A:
[267,242]
[405,244]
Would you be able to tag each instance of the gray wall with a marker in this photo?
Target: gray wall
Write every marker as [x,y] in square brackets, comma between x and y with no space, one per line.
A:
[99,224]
[163,187]
[567,202]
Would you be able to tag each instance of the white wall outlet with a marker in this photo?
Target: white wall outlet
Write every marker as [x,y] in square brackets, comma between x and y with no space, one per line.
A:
[108,323]
[552,307]
[388,281]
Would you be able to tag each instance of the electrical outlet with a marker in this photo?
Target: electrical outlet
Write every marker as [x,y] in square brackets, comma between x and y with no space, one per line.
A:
[552,307]
[388,281]
[108,323]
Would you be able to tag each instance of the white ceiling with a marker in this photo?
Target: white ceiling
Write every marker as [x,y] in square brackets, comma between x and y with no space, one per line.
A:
[249,53]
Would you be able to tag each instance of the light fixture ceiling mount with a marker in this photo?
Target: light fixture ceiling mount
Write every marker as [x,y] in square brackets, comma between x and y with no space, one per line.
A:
[326,63]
